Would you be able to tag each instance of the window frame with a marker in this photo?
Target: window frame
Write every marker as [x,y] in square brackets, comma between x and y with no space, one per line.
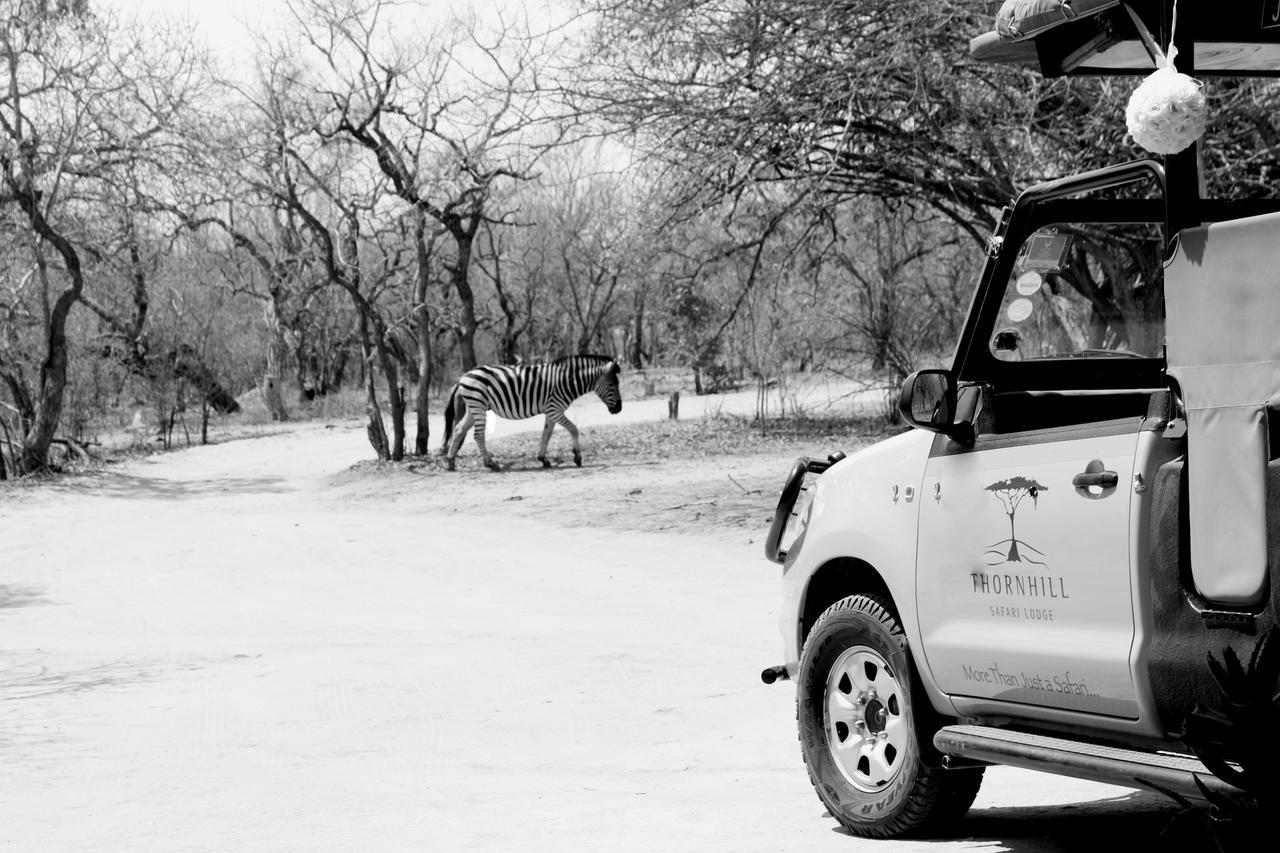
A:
[975,363]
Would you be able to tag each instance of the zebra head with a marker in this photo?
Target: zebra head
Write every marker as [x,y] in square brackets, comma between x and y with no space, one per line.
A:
[607,388]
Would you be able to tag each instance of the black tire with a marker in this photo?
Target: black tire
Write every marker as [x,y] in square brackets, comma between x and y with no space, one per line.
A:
[865,729]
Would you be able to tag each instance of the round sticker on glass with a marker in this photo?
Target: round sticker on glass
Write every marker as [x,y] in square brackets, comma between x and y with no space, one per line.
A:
[1029,283]
[1019,310]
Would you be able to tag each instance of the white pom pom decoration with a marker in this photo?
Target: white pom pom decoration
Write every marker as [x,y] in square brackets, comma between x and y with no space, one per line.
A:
[1167,111]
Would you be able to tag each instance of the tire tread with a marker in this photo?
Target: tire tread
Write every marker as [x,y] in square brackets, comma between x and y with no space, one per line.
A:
[938,797]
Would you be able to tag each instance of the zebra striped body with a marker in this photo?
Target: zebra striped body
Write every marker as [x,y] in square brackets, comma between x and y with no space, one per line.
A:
[524,391]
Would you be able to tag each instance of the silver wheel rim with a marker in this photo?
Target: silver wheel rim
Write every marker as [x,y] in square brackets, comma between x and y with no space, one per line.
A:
[868,731]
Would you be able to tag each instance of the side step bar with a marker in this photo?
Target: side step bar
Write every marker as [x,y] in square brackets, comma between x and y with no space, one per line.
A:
[1128,768]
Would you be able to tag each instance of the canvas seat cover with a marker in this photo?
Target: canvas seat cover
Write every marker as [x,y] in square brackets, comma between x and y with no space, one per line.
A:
[1222,300]
[1022,19]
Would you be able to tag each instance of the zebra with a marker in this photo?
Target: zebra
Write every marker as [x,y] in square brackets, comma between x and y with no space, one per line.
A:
[526,390]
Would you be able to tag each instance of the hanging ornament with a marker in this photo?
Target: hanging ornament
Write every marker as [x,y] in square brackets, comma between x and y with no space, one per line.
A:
[1167,112]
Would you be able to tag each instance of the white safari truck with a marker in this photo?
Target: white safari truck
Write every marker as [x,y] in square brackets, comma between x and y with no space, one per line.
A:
[1088,506]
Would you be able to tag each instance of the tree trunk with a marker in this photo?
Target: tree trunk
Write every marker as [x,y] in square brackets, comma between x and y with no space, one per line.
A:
[338,371]
[270,388]
[8,443]
[53,371]
[422,433]
[275,357]
[375,429]
[395,395]
[636,351]
[390,372]
[308,384]
[462,285]
[373,345]
[422,328]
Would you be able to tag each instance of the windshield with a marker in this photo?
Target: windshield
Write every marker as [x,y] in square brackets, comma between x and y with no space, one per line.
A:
[1084,290]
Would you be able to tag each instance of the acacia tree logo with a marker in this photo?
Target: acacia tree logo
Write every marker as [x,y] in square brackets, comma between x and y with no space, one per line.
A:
[1012,492]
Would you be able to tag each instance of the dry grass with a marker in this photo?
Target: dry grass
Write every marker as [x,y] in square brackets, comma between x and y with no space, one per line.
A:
[717,475]
[721,436]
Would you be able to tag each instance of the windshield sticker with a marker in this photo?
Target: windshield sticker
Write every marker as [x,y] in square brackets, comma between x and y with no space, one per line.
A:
[1046,252]
[1029,283]
[1019,310]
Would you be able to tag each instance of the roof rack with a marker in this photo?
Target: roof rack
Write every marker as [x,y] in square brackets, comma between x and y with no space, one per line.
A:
[1111,37]
[1126,37]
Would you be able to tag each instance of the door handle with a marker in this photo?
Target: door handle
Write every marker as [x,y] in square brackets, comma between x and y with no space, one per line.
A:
[1105,479]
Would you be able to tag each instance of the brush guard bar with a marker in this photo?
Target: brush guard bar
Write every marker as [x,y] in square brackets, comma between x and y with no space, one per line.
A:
[787,502]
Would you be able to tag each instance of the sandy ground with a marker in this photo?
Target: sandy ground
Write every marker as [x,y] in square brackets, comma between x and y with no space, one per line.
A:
[256,646]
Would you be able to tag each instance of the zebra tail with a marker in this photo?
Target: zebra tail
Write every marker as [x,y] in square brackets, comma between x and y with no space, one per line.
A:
[448,420]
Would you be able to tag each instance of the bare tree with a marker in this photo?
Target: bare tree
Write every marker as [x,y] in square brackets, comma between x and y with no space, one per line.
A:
[335,220]
[424,246]
[590,243]
[895,281]
[875,99]
[447,122]
[868,98]
[83,102]
[240,170]
[515,299]
[322,211]
[136,251]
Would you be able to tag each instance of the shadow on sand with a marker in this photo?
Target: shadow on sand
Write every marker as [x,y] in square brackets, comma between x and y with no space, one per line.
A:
[471,465]
[13,596]
[112,484]
[1142,820]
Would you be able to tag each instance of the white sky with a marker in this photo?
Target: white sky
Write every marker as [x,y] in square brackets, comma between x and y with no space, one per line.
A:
[225,25]
[221,22]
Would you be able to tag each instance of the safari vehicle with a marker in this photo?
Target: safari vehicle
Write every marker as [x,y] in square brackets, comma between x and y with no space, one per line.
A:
[1088,506]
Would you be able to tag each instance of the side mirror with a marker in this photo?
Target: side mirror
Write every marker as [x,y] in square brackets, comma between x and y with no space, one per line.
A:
[928,400]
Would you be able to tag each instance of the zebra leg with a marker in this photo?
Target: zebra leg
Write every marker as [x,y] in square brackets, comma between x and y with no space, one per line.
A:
[459,436]
[546,437]
[573,431]
[484,451]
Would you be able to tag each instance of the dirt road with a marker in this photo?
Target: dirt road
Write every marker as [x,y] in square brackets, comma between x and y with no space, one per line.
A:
[247,647]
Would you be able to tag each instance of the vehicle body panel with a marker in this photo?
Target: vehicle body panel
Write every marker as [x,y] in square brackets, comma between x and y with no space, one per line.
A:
[1023,582]
[854,514]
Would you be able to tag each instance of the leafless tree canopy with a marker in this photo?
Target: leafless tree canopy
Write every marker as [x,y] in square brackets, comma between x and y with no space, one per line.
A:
[386,194]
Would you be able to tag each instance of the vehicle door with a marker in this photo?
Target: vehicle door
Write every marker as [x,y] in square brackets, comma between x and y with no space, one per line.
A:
[1024,552]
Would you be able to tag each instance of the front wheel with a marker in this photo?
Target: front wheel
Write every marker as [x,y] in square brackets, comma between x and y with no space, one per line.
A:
[860,729]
